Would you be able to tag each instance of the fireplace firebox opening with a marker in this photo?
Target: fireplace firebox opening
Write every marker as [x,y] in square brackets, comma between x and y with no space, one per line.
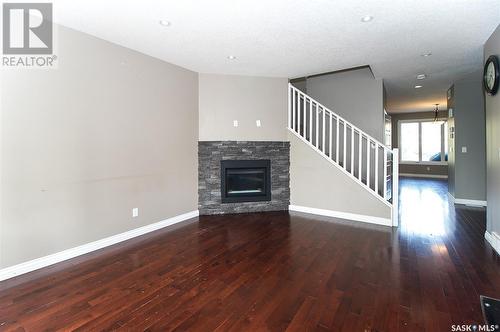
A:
[245,181]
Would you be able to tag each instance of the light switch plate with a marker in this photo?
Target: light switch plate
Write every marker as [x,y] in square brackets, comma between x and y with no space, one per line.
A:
[135,212]
[464,149]
[235,123]
[257,122]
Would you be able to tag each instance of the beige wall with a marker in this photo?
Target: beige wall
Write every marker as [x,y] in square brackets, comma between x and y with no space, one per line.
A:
[353,94]
[225,98]
[83,144]
[316,183]
[492,46]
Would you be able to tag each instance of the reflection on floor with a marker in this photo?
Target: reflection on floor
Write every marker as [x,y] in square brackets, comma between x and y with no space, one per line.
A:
[274,271]
[444,247]
[424,206]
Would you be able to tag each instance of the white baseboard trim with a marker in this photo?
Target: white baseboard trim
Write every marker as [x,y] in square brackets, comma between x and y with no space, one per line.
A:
[432,176]
[471,202]
[41,262]
[494,239]
[342,215]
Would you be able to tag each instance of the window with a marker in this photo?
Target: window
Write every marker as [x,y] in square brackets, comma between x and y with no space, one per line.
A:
[409,141]
[431,141]
[423,141]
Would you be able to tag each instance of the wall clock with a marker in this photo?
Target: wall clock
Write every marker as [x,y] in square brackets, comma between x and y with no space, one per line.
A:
[491,75]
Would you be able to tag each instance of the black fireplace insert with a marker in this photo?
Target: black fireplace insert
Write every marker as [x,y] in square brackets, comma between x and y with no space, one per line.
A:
[245,180]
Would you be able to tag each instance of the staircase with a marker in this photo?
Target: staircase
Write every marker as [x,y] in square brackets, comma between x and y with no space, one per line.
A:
[364,159]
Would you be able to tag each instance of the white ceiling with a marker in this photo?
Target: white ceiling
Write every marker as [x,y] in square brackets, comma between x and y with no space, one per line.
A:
[293,38]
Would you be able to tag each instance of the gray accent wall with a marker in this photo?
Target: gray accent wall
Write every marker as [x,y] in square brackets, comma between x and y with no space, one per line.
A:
[468,169]
[109,130]
[353,94]
[450,102]
[492,46]
[300,84]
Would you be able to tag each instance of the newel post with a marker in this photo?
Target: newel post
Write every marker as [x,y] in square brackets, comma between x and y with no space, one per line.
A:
[395,187]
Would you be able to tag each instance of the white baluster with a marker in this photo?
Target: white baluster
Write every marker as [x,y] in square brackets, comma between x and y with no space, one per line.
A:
[311,122]
[376,168]
[299,111]
[330,136]
[368,148]
[385,173]
[294,108]
[304,125]
[323,134]
[317,126]
[352,150]
[337,157]
[360,160]
[344,152]
[289,107]
[395,187]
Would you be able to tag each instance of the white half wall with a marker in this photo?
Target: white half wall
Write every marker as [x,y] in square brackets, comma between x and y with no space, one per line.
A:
[316,183]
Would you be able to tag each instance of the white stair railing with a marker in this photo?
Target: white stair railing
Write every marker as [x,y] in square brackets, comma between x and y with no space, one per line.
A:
[369,162]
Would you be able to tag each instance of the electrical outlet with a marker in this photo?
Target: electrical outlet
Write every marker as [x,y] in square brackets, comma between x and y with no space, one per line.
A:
[464,149]
[428,169]
[257,122]
[135,212]
[235,123]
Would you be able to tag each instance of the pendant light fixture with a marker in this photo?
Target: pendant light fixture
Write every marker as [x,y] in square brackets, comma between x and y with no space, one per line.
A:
[436,112]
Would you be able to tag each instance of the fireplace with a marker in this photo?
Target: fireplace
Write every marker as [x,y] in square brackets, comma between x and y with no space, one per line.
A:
[270,162]
[245,181]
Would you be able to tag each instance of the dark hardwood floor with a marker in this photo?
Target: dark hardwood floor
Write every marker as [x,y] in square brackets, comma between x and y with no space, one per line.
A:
[273,272]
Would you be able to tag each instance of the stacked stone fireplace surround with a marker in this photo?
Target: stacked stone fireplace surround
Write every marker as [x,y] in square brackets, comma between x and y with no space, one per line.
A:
[210,154]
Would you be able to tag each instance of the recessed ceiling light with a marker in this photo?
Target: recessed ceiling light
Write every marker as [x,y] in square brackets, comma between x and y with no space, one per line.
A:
[426,54]
[165,23]
[231,57]
[418,86]
[421,76]
[367,18]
